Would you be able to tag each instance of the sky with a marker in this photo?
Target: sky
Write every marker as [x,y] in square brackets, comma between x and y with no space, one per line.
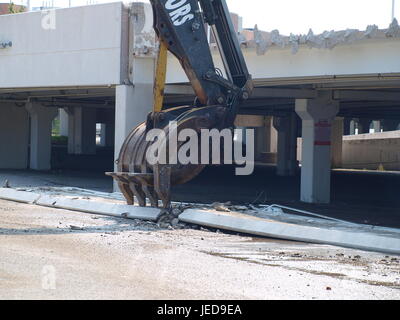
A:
[293,16]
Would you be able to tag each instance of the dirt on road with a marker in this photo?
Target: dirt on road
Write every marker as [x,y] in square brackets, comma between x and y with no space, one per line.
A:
[59,254]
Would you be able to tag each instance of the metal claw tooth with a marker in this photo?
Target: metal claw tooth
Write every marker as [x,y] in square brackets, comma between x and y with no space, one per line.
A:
[149,192]
[123,185]
[127,193]
[139,194]
[162,184]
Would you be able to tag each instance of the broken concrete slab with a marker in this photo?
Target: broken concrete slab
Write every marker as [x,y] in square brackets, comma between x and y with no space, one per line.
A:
[315,231]
[98,207]
[76,204]
[20,196]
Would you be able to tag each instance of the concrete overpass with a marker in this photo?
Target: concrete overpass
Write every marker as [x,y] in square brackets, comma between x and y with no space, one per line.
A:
[97,64]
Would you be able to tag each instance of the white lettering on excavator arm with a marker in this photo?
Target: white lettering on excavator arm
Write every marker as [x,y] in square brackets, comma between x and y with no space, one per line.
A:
[182,11]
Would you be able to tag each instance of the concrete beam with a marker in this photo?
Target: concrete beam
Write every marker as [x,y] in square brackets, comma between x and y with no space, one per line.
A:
[371,95]
[90,206]
[293,227]
[249,121]
[179,89]
[284,93]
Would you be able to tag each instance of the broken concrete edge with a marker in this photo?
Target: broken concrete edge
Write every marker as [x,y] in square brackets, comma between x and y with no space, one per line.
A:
[274,229]
[82,205]
[263,40]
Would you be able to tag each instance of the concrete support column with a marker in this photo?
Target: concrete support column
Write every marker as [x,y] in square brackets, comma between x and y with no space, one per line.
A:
[260,142]
[110,134]
[107,134]
[390,125]
[132,105]
[337,142]
[40,141]
[377,125]
[287,144]
[352,127]
[102,134]
[346,126]
[272,140]
[364,126]
[14,136]
[81,130]
[63,122]
[317,116]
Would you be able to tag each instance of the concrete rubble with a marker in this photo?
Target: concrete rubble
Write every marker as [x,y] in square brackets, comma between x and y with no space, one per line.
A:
[266,221]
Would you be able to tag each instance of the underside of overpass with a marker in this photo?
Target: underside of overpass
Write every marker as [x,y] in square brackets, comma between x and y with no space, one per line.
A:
[365,104]
[360,93]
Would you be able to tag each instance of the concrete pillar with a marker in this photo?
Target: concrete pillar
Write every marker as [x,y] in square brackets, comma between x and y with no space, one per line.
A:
[134,102]
[40,137]
[102,135]
[352,127]
[364,126]
[287,144]
[273,134]
[14,136]
[81,130]
[377,125]
[63,122]
[346,126]
[337,142]
[317,116]
[390,125]
[265,140]
[110,134]
[260,142]
[132,105]
[107,134]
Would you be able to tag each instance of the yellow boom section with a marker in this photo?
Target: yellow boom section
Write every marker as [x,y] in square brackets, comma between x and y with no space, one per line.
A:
[161,73]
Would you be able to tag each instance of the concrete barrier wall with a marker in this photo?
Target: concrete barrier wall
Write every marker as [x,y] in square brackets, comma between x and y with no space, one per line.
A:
[78,46]
[370,151]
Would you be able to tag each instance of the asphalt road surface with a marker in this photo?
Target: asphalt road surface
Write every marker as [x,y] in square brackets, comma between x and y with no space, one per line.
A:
[49,253]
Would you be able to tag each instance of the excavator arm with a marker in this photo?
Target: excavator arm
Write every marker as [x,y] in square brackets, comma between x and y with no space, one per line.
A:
[181,26]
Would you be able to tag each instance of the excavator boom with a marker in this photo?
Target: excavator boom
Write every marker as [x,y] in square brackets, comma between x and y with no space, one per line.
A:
[181,26]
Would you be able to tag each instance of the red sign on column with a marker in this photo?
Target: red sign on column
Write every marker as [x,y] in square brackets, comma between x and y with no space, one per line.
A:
[322,135]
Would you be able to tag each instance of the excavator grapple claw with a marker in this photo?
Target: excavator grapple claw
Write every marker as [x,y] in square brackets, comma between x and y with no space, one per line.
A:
[178,27]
